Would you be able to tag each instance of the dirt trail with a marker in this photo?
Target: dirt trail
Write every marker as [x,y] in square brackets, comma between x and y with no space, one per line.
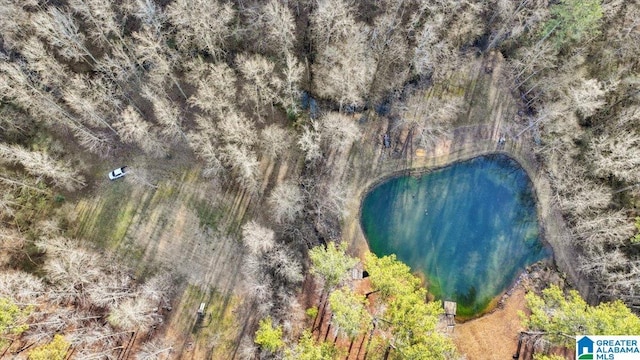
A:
[495,335]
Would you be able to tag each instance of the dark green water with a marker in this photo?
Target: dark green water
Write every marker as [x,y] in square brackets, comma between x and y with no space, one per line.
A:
[470,228]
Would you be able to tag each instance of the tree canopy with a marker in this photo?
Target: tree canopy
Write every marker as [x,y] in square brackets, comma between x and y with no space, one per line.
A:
[308,349]
[55,350]
[331,263]
[12,319]
[268,336]
[562,317]
[408,321]
[573,19]
[350,315]
[389,276]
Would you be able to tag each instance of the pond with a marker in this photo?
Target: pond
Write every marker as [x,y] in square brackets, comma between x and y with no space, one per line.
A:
[470,228]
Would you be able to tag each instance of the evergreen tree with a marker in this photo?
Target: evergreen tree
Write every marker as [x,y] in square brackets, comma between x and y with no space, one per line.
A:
[562,317]
[331,263]
[268,336]
[350,315]
[11,319]
[308,349]
[55,350]
[572,20]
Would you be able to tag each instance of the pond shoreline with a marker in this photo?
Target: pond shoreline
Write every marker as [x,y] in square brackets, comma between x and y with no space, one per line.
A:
[553,231]
[492,187]
[371,163]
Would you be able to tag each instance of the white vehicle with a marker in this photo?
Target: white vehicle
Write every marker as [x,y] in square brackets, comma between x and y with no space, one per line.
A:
[117,173]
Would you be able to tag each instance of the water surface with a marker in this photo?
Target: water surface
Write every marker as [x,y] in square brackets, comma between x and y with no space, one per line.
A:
[470,228]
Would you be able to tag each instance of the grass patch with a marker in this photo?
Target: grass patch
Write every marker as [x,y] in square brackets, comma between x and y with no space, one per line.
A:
[217,330]
[165,191]
[32,206]
[209,216]
[134,254]
[105,220]
[123,220]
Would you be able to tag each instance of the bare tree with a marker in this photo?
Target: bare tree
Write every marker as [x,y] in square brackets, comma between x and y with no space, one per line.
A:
[148,12]
[338,131]
[247,349]
[167,114]
[24,90]
[243,164]
[21,287]
[78,277]
[109,293]
[285,265]
[202,30]
[309,142]
[290,92]
[160,288]
[583,197]
[42,324]
[61,31]
[257,282]
[274,140]
[274,27]
[612,228]
[615,273]
[85,98]
[466,24]
[14,20]
[51,73]
[133,129]
[426,38]
[155,349]
[588,97]
[343,70]
[286,201]
[262,86]
[332,201]
[331,21]
[236,129]
[623,37]
[92,339]
[530,61]
[629,117]
[41,164]
[11,240]
[69,269]
[216,87]
[388,45]
[159,60]
[207,148]
[257,238]
[101,16]
[13,122]
[120,64]
[133,313]
[327,204]
[617,154]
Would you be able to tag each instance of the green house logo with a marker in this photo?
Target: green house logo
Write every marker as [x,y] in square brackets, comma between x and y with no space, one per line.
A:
[584,348]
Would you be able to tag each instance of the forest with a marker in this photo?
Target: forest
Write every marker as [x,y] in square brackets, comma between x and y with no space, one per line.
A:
[246,126]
